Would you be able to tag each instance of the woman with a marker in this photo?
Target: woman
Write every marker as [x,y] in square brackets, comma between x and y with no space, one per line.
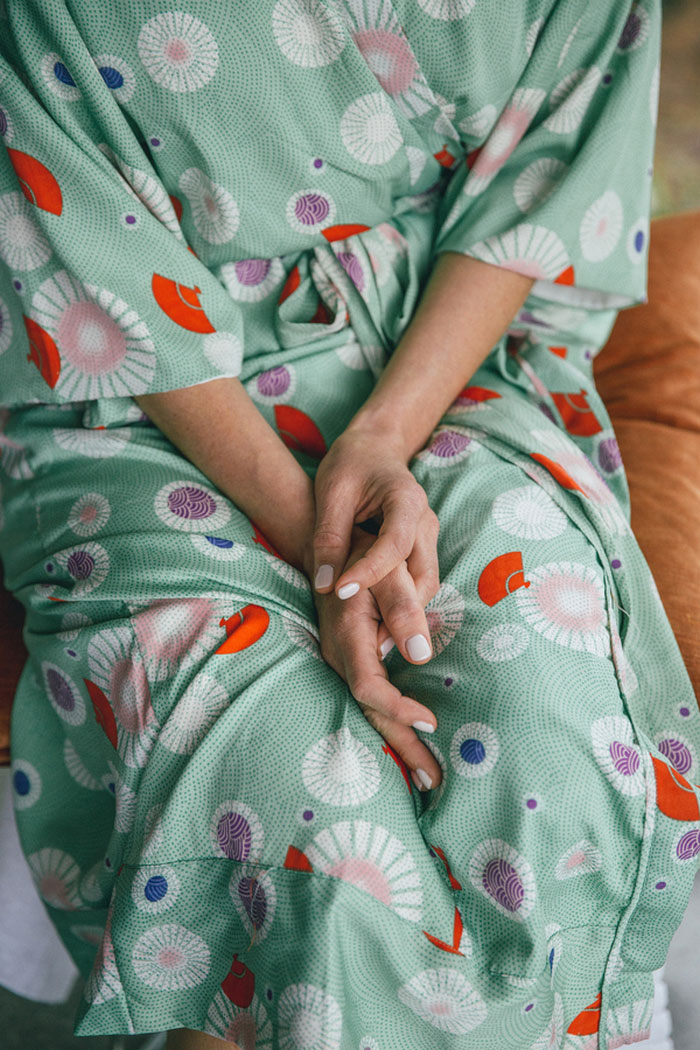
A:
[286,290]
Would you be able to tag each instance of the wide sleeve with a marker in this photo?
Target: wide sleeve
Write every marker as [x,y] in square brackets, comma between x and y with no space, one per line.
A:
[560,187]
[100,295]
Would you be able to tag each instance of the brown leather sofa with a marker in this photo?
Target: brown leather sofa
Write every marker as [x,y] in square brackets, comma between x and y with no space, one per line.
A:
[648,375]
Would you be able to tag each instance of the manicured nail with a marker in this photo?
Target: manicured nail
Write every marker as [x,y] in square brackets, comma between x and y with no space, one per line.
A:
[425,779]
[425,727]
[418,647]
[324,576]
[386,646]
[416,780]
[347,590]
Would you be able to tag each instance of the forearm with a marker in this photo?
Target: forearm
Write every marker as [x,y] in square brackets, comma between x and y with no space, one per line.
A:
[464,310]
[219,429]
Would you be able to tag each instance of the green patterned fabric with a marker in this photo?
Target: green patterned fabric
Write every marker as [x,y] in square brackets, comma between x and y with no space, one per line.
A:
[222,840]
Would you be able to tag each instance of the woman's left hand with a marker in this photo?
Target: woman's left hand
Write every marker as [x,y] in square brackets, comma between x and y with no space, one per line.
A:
[362,476]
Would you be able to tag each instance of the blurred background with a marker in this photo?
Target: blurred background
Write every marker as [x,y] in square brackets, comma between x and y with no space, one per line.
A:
[676,184]
[26,1025]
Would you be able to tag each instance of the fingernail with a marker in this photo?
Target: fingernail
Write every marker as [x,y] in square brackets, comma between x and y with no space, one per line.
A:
[418,647]
[347,590]
[416,780]
[425,779]
[425,727]
[386,646]
[324,576]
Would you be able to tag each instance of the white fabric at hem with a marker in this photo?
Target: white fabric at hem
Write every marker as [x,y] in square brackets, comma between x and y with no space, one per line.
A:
[33,960]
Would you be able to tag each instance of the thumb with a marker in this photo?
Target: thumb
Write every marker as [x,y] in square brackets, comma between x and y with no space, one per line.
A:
[335,516]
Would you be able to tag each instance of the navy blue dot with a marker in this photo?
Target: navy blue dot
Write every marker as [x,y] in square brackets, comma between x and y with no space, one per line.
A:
[449,681]
[108,863]
[308,814]
[62,74]
[551,959]
[607,78]
[112,77]
[49,567]
[472,751]
[529,1007]
[268,993]
[217,541]
[18,285]
[111,786]
[72,652]
[3,122]
[639,240]
[156,888]
[21,782]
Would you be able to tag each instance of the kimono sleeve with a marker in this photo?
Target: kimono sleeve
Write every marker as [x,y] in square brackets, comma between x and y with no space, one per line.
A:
[560,188]
[100,295]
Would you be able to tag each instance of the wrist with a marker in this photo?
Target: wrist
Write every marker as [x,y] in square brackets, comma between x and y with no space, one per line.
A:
[386,427]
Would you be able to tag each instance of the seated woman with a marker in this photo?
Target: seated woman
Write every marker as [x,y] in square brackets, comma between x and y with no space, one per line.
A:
[352,716]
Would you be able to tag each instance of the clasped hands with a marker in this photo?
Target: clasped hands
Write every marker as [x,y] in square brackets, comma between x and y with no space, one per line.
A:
[371,590]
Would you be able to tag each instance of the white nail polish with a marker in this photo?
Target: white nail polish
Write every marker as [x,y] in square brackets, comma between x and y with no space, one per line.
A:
[386,646]
[418,647]
[416,780]
[347,590]
[425,727]
[324,576]
[425,779]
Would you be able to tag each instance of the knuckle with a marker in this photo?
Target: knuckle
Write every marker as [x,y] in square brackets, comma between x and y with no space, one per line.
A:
[401,609]
[326,537]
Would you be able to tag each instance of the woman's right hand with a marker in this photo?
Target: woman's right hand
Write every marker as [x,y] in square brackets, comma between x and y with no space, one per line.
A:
[349,644]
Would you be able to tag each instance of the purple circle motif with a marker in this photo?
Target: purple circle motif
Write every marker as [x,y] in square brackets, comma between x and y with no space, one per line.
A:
[660,886]
[616,563]
[154,141]
[233,834]
[684,712]
[311,208]
[274,382]
[18,285]
[60,690]
[689,845]
[625,759]
[308,814]
[190,502]
[80,565]
[677,753]
[351,265]
[252,271]
[254,900]
[531,803]
[639,240]
[502,882]
[609,455]
[449,681]
[449,443]
[131,219]
[318,163]
[630,32]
